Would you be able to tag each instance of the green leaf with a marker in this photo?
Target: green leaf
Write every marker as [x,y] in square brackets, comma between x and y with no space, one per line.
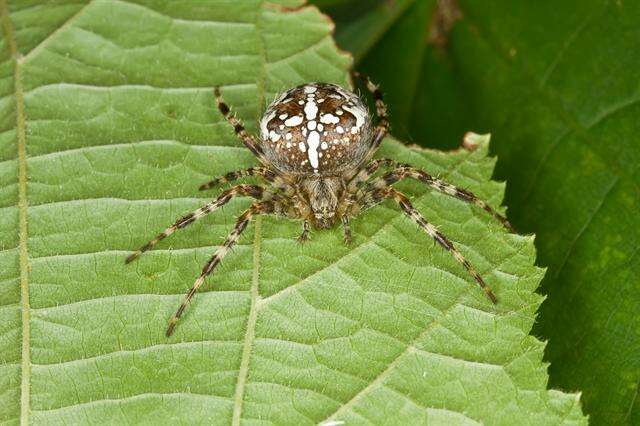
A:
[108,128]
[556,83]
[361,23]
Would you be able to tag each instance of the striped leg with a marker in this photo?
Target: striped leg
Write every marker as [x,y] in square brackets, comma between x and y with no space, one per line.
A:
[304,237]
[263,172]
[381,110]
[368,200]
[410,211]
[355,186]
[254,191]
[238,127]
[358,180]
[241,224]
[406,171]
[346,229]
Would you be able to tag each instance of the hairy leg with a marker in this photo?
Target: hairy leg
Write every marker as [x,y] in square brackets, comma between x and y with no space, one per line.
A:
[364,174]
[406,171]
[304,237]
[264,207]
[382,127]
[346,229]
[254,191]
[376,196]
[263,172]
[238,127]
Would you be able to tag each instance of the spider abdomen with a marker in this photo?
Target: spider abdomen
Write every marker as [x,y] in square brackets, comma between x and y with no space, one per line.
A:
[316,128]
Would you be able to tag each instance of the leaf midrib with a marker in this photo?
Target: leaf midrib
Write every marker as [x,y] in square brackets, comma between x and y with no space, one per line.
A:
[22,213]
[255,278]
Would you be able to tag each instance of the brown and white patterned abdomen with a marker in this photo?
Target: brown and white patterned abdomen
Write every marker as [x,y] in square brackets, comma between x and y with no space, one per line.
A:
[316,128]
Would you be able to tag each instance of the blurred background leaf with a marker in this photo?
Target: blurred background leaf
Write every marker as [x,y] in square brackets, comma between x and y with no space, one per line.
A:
[557,84]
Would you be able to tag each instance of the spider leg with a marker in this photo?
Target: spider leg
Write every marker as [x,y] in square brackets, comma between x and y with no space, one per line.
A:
[346,229]
[382,127]
[366,200]
[254,191]
[415,215]
[263,172]
[355,184]
[238,127]
[264,207]
[304,237]
[363,175]
[407,171]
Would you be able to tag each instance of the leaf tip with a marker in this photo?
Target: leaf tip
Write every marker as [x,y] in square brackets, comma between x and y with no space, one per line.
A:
[471,141]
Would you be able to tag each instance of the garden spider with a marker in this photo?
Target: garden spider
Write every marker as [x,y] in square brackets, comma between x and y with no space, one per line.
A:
[315,152]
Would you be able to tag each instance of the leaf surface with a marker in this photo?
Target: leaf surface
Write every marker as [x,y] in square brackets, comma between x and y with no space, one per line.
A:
[108,129]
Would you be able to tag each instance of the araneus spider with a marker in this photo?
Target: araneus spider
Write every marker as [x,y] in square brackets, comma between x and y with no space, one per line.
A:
[315,152]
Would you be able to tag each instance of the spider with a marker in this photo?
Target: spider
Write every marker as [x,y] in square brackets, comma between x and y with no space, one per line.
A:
[315,151]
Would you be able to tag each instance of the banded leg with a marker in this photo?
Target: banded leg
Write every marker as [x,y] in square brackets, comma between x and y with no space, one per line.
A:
[358,180]
[220,253]
[254,191]
[406,171]
[346,229]
[368,200]
[263,172]
[354,187]
[381,110]
[304,237]
[238,127]
[410,211]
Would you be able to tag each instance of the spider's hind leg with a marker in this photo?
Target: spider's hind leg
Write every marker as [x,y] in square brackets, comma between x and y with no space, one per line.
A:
[382,127]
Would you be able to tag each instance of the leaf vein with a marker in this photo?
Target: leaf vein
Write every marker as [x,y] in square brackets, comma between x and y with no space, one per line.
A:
[141,350]
[58,30]
[22,214]
[133,397]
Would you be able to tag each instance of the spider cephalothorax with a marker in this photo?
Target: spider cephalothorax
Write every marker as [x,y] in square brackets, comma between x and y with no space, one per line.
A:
[316,147]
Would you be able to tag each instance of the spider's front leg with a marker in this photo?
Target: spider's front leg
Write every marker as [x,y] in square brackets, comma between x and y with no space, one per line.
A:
[254,191]
[263,172]
[374,197]
[354,190]
[407,171]
[364,174]
[264,207]
[238,127]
